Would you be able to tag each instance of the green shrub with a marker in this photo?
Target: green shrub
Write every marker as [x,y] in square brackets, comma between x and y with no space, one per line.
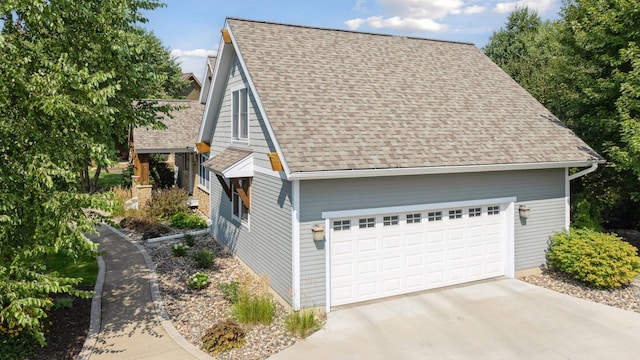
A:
[251,309]
[204,259]
[16,343]
[229,291]
[184,220]
[302,323]
[127,173]
[198,281]
[586,215]
[179,249]
[603,261]
[190,240]
[63,303]
[166,203]
[223,336]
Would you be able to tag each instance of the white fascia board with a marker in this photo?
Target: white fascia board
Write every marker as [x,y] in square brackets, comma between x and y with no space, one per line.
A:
[343,174]
[184,150]
[256,95]
[216,91]
[243,168]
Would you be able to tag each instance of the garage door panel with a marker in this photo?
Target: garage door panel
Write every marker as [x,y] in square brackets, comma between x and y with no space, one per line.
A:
[409,255]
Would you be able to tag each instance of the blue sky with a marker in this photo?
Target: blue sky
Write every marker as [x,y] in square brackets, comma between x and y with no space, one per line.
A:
[191,28]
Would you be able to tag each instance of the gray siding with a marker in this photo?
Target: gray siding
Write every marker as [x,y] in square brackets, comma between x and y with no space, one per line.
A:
[259,139]
[264,246]
[541,190]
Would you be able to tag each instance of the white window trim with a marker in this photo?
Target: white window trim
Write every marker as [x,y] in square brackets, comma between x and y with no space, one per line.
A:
[246,222]
[207,182]
[243,141]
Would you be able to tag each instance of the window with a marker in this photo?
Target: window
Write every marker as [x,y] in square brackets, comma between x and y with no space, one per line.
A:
[493,210]
[390,220]
[203,172]
[435,216]
[340,225]
[367,223]
[240,116]
[475,212]
[413,218]
[455,214]
[240,210]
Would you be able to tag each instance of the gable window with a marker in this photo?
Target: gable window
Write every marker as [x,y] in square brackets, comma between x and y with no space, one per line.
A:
[367,223]
[390,220]
[340,225]
[240,210]
[493,210]
[203,172]
[413,218]
[240,115]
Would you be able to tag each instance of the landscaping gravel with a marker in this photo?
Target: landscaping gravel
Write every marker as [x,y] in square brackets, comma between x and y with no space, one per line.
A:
[194,311]
[626,297]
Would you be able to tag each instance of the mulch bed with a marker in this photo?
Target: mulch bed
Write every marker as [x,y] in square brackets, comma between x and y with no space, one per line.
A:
[66,329]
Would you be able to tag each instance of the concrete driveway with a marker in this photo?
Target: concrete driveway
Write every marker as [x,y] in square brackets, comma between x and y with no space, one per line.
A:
[500,319]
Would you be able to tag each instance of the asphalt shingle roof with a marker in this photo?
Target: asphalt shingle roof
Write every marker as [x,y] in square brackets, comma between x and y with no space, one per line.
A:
[181,132]
[225,159]
[340,100]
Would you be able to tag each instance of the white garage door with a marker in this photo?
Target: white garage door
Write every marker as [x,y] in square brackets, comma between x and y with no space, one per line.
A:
[389,254]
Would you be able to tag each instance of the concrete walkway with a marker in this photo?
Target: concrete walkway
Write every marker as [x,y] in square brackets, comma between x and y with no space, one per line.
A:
[502,319]
[133,324]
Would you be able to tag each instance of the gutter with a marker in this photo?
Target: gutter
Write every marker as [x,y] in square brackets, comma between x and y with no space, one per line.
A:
[313,175]
[582,173]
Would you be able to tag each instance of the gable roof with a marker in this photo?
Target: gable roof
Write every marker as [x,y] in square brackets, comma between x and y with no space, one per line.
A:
[226,159]
[180,134]
[340,100]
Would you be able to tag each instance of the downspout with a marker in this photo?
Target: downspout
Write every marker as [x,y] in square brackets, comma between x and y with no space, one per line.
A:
[582,173]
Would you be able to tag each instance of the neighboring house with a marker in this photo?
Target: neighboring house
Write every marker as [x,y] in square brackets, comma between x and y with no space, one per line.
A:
[192,91]
[176,142]
[406,159]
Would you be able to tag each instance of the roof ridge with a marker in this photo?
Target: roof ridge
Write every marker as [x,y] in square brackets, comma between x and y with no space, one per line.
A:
[347,31]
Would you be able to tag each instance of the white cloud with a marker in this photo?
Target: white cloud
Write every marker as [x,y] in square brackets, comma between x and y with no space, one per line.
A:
[541,6]
[359,6]
[192,53]
[193,61]
[474,9]
[415,15]
[398,23]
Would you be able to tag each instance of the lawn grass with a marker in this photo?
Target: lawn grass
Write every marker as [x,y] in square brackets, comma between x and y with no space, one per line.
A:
[84,267]
[107,180]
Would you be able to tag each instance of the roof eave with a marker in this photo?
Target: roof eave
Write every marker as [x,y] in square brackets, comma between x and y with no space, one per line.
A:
[342,174]
[165,151]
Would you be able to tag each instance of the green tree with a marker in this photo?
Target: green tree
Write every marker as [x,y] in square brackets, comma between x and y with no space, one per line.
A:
[598,92]
[73,76]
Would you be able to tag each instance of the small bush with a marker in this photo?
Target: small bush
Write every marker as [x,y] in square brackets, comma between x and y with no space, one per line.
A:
[204,259]
[229,291]
[184,220]
[63,303]
[223,336]
[302,323]
[190,240]
[16,343]
[166,203]
[603,261]
[179,249]
[120,196]
[139,224]
[251,309]
[156,231]
[198,281]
